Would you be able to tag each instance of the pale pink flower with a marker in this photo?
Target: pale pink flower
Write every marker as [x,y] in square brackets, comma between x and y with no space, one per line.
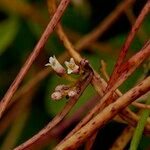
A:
[56,95]
[72,93]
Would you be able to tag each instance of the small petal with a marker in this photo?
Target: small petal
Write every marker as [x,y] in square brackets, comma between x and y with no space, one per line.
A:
[56,95]
[72,67]
[54,63]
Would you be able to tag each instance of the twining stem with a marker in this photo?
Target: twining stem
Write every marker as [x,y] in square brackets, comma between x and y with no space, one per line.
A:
[140,127]
[49,29]
[105,115]
[127,44]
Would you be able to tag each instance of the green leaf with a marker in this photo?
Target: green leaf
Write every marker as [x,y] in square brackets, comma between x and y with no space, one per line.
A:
[8,30]
[140,127]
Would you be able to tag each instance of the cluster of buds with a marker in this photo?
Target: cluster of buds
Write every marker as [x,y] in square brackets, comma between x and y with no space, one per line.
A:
[59,69]
[63,90]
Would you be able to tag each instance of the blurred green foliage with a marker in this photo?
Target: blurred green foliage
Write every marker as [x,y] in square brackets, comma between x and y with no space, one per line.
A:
[8,31]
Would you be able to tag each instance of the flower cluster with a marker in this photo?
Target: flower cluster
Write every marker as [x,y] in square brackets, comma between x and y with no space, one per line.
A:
[59,69]
[63,90]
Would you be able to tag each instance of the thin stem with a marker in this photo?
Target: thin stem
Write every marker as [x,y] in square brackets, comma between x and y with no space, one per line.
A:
[127,44]
[140,127]
[50,28]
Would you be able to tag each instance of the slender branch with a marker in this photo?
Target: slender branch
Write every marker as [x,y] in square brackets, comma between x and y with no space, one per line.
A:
[127,44]
[55,19]
[83,84]
[104,116]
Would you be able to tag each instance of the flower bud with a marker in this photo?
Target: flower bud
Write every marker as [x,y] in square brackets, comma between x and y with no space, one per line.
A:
[72,93]
[61,87]
[56,95]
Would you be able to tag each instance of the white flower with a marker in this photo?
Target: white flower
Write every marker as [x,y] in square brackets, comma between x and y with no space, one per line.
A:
[54,63]
[72,67]
[56,95]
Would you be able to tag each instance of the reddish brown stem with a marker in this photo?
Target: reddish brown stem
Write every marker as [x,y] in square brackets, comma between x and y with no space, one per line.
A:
[127,44]
[50,28]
